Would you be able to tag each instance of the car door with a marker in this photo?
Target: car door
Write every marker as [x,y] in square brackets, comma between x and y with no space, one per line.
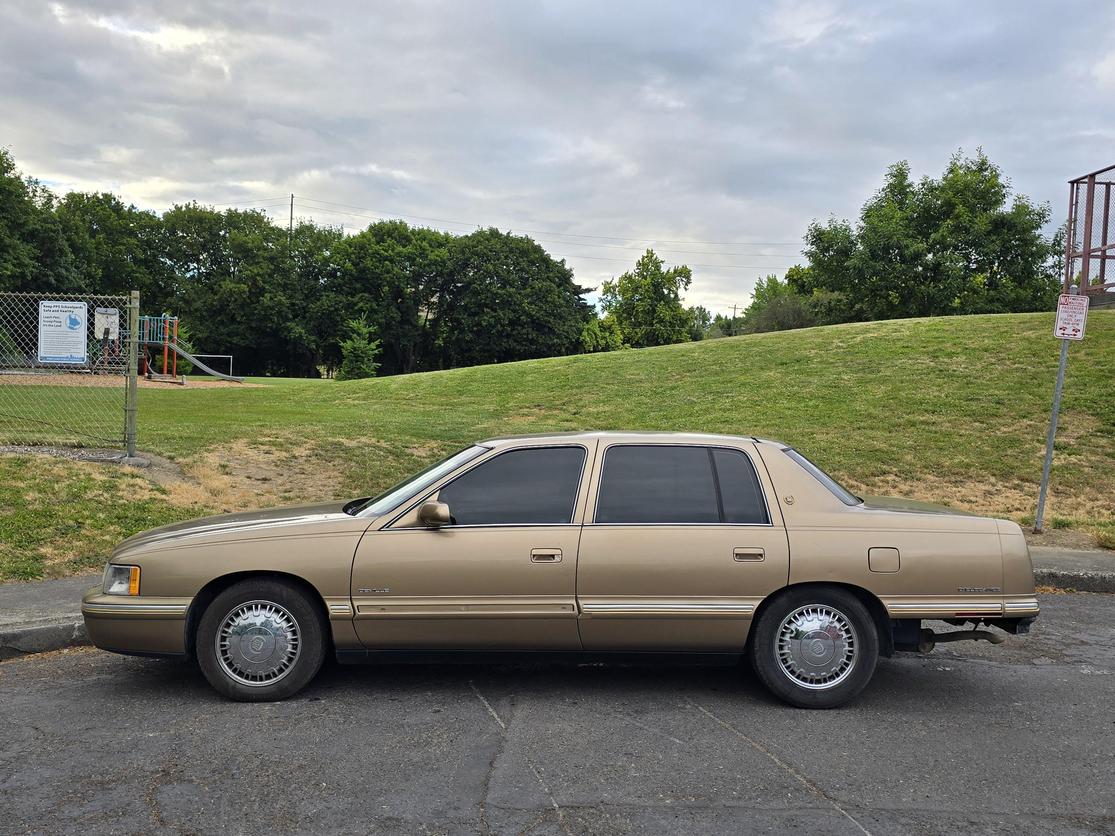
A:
[501,576]
[681,547]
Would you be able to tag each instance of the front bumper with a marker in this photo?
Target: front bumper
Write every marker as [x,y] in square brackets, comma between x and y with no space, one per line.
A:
[143,625]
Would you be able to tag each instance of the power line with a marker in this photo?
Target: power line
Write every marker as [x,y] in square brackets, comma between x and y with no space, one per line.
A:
[630,248]
[567,254]
[472,225]
[371,214]
[282,198]
[703,266]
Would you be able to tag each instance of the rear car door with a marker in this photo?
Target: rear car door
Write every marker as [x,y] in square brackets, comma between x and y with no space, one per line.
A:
[501,577]
[681,546]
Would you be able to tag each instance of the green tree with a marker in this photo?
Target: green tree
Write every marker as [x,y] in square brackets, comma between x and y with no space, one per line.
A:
[388,274]
[500,298]
[358,352]
[34,254]
[646,303]
[700,322]
[724,326]
[601,335]
[954,245]
[776,306]
[116,247]
[237,286]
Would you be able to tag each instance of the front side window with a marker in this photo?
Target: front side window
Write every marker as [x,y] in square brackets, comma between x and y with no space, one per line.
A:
[534,486]
[395,496]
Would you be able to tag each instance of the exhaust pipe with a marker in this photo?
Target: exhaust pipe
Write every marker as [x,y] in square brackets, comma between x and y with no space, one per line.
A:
[929,639]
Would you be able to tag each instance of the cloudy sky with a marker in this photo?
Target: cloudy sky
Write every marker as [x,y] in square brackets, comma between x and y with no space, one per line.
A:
[714,131]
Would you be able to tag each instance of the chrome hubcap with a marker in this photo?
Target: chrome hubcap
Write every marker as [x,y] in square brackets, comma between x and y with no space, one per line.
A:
[258,643]
[816,646]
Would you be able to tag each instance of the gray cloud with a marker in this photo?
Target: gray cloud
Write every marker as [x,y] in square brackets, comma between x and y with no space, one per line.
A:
[718,121]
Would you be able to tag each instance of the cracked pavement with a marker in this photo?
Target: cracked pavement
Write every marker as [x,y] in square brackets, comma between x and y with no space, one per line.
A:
[1017,738]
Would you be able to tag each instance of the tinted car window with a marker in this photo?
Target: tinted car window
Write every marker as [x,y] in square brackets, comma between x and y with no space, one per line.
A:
[410,486]
[740,492]
[537,485]
[657,484]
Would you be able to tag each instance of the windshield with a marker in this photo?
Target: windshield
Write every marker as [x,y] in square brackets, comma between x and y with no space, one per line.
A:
[412,485]
[838,490]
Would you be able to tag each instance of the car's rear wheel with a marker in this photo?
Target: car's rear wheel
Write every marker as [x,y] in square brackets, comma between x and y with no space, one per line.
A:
[815,647]
[261,640]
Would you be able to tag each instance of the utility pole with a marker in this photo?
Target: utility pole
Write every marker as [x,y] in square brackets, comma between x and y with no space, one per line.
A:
[290,225]
[733,322]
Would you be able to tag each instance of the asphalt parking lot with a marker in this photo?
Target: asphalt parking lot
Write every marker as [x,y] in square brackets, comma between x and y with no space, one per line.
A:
[1018,738]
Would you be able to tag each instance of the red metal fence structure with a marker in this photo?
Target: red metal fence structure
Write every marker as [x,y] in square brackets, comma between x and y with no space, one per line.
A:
[1090,238]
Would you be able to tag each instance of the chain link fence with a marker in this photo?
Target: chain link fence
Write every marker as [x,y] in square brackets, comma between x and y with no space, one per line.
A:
[68,370]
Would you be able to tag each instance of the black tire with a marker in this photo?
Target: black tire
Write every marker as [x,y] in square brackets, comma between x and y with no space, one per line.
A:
[818,674]
[276,645]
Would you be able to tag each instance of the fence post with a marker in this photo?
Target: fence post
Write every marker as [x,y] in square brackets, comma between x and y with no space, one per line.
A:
[133,371]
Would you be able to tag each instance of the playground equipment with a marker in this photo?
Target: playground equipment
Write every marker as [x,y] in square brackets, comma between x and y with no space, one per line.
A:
[162,331]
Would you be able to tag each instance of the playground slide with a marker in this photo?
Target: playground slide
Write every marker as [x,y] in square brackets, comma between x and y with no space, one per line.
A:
[186,355]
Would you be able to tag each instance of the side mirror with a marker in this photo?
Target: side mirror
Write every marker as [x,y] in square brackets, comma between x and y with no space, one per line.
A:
[434,514]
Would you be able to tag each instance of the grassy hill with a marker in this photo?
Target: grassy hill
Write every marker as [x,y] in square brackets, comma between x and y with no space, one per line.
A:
[953,410]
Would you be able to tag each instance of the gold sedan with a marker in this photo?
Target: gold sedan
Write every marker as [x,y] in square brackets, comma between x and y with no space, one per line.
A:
[587,545]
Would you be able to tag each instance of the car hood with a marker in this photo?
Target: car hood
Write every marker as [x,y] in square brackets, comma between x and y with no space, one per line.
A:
[227,526]
[890,503]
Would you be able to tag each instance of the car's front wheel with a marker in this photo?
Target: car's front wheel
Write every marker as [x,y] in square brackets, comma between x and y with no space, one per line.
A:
[261,640]
[815,647]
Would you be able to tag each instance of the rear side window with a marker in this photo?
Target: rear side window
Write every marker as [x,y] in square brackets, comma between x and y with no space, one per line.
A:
[534,486]
[661,484]
[657,484]
[740,492]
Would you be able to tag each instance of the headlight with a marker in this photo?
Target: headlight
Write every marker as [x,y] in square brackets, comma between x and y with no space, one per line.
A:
[121,580]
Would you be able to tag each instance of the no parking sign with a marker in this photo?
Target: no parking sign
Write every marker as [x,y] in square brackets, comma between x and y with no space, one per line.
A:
[1072,316]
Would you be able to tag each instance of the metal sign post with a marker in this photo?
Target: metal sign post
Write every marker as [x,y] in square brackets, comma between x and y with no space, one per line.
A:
[133,367]
[1072,316]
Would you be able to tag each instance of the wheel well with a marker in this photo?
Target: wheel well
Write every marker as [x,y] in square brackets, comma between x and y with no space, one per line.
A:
[208,593]
[873,605]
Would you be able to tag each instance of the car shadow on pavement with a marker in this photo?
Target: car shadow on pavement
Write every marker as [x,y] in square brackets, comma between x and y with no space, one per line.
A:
[148,677]
[903,681]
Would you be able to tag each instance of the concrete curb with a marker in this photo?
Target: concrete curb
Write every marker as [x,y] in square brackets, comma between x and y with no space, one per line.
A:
[1080,581]
[41,638]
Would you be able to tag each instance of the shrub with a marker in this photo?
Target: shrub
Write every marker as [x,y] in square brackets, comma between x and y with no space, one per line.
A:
[358,352]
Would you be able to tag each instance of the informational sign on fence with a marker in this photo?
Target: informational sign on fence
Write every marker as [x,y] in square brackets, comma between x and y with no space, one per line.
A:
[1072,316]
[106,319]
[63,332]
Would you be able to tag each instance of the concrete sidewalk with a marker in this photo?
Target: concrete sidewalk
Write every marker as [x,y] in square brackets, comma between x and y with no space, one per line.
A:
[46,615]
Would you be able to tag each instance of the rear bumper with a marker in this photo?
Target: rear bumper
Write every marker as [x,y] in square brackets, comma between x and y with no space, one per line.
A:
[1021,606]
[970,607]
[141,624]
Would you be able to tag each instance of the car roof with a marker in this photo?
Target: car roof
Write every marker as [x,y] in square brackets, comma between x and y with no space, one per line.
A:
[650,436]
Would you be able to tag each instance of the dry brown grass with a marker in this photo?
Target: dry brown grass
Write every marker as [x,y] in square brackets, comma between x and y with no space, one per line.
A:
[115,380]
[986,496]
[241,475]
[1053,590]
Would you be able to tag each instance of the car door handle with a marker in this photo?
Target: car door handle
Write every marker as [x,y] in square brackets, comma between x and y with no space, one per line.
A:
[545,555]
[748,555]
